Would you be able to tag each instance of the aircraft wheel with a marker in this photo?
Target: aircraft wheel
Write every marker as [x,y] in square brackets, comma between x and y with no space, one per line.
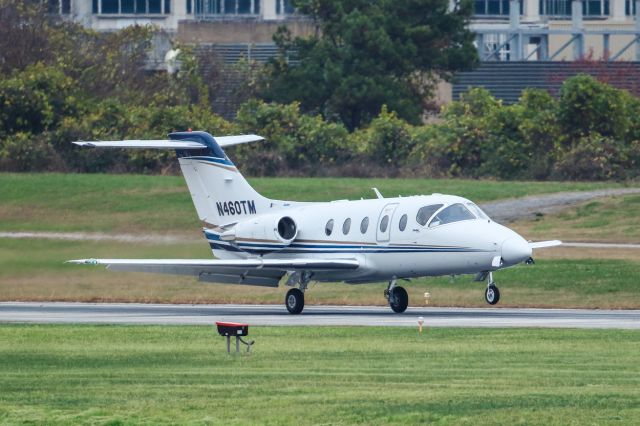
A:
[398,299]
[492,294]
[294,301]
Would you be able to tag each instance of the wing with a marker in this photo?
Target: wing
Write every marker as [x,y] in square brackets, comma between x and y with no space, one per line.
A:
[544,244]
[262,272]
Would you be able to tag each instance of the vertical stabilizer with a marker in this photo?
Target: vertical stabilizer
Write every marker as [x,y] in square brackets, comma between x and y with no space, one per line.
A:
[220,193]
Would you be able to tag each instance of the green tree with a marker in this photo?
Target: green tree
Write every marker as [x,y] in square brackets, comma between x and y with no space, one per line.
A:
[369,53]
[587,105]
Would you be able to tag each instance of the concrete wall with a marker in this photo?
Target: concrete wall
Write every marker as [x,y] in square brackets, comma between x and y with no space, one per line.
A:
[594,43]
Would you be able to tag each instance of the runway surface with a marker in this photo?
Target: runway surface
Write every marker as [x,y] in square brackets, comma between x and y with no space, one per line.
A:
[130,313]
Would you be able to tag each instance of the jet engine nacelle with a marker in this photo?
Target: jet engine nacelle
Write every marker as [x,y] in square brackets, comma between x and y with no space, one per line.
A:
[268,228]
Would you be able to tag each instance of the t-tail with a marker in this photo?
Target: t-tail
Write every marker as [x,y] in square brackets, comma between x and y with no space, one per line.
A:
[220,193]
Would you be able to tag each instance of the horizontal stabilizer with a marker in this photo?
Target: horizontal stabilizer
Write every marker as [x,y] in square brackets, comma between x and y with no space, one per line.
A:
[147,144]
[545,244]
[182,144]
[225,141]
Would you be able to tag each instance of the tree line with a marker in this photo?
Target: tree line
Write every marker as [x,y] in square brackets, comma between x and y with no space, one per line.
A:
[74,84]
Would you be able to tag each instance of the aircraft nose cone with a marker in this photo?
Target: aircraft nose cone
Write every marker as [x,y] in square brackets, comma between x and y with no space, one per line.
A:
[515,250]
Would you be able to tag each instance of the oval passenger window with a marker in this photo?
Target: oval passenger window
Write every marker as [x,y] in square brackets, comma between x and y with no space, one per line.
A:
[364,225]
[384,223]
[346,226]
[403,222]
[328,229]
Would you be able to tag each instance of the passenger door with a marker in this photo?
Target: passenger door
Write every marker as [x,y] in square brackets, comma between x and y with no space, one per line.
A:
[383,229]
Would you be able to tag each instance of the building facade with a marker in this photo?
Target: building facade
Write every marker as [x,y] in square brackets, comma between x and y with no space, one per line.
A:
[507,30]
[557,30]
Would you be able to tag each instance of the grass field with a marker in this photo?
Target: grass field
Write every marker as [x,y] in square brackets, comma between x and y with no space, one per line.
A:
[615,219]
[181,375]
[138,204]
[34,270]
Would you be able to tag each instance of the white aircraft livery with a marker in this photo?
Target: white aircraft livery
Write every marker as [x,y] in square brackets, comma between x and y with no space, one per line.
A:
[259,241]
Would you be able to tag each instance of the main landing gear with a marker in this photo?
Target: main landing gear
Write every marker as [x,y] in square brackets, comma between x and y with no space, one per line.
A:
[397,297]
[294,300]
[492,293]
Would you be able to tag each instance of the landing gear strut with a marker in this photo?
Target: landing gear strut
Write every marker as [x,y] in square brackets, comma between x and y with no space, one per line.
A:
[492,293]
[294,300]
[397,297]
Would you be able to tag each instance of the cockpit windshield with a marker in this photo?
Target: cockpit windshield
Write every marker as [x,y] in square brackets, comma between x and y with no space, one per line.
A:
[426,212]
[454,213]
[477,211]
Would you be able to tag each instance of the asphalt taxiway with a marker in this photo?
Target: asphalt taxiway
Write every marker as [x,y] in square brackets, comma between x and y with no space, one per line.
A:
[136,313]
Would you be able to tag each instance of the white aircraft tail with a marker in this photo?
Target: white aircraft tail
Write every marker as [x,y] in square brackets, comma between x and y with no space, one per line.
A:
[220,193]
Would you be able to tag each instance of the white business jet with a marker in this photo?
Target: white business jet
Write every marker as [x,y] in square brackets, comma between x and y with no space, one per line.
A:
[258,241]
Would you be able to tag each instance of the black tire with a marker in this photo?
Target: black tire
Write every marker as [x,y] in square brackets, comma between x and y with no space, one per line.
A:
[492,295]
[294,301]
[398,300]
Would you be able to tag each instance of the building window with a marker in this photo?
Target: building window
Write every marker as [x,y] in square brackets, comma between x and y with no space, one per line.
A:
[493,7]
[132,7]
[284,7]
[189,7]
[227,7]
[60,7]
[562,8]
[630,7]
[595,8]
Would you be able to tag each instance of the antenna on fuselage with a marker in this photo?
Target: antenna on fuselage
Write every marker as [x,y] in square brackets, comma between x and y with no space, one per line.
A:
[378,194]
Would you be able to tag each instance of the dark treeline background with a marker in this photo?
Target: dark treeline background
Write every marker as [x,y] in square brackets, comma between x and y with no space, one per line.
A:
[60,82]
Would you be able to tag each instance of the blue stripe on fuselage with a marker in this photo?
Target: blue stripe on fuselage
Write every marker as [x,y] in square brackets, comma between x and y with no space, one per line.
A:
[224,161]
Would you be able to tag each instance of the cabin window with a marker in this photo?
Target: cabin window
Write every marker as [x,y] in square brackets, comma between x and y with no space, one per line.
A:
[403,222]
[328,229]
[426,212]
[364,225]
[454,213]
[384,223]
[346,226]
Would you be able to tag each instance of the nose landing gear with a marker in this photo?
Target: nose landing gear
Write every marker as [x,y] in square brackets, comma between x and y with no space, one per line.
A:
[397,297]
[492,293]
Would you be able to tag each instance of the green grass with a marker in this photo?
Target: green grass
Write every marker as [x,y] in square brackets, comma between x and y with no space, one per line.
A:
[340,375]
[34,270]
[137,203]
[615,219]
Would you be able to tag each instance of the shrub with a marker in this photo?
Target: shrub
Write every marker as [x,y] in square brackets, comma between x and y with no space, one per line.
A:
[35,100]
[387,141]
[594,157]
[587,106]
[294,141]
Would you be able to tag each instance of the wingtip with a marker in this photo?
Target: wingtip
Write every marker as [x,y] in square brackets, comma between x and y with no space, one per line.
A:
[82,262]
[84,144]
